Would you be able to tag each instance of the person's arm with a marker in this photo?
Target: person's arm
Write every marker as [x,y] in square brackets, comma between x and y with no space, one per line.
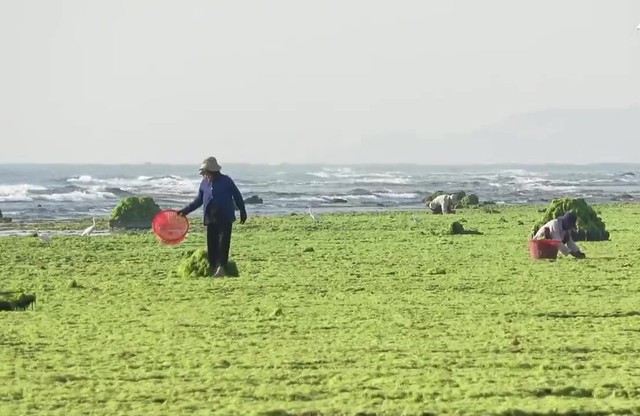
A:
[564,249]
[574,249]
[237,197]
[194,205]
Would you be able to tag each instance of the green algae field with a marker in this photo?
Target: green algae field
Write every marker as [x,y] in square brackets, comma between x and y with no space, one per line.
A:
[358,314]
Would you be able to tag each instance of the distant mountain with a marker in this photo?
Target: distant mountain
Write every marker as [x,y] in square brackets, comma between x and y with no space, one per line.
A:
[550,136]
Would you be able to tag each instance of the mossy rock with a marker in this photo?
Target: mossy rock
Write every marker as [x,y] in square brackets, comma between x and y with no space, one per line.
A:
[195,264]
[460,195]
[469,200]
[134,213]
[456,228]
[590,226]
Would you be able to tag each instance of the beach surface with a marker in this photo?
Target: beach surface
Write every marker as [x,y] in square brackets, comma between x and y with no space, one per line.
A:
[379,313]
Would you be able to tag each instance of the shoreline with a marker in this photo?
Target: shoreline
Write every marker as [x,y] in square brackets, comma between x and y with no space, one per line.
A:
[74,226]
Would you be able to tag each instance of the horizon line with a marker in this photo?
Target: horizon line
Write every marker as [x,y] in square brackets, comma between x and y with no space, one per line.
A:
[322,164]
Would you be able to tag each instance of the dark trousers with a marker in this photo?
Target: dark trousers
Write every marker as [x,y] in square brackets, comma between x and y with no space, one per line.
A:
[218,243]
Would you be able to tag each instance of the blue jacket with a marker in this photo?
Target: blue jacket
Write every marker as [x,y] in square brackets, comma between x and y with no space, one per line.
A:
[217,198]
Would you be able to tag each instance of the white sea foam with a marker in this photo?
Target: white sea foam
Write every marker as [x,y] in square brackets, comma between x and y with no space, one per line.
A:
[19,192]
[75,196]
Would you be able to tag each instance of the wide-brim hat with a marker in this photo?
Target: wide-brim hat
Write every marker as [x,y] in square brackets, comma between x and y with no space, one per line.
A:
[210,164]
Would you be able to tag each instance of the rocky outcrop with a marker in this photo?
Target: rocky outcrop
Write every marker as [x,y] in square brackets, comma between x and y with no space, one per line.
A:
[4,219]
[253,199]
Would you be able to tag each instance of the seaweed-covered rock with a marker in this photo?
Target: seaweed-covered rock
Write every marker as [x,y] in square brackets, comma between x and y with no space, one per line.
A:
[196,264]
[469,200]
[456,228]
[460,195]
[134,213]
[590,226]
[624,197]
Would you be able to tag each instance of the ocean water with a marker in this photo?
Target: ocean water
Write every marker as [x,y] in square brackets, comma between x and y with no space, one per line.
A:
[30,192]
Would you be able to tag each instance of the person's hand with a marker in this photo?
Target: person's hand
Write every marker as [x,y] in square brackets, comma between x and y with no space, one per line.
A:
[243,217]
[180,213]
[547,234]
[578,255]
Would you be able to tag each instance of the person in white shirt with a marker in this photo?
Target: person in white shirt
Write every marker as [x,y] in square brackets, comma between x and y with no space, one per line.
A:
[443,204]
[560,229]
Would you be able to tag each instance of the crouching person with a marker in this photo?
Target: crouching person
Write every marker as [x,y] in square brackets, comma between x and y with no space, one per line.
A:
[443,204]
[560,229]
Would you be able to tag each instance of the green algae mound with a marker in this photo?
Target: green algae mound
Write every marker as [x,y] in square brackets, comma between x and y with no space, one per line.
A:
[195,264]
[590,225]
[134,212]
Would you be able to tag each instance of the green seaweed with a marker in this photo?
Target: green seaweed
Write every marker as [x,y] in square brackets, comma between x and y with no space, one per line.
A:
[196,264]
[134,212]
[590,226]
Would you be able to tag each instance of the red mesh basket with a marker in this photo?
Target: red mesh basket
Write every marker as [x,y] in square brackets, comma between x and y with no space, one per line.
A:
[544,249]
[170,227]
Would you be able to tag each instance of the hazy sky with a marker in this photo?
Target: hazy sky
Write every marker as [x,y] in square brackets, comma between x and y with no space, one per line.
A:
[304,81]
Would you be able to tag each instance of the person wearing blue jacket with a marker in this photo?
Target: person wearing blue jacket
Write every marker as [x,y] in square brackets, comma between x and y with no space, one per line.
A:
[217,194]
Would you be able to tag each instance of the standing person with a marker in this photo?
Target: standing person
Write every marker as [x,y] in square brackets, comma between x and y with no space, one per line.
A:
[217,193]
[560,229]
[443,204]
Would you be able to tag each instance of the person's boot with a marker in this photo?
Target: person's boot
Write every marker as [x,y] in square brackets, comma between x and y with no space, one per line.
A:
[219,272]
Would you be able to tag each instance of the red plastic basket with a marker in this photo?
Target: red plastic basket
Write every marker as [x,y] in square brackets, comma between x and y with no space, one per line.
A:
[544,249]
[170,227]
